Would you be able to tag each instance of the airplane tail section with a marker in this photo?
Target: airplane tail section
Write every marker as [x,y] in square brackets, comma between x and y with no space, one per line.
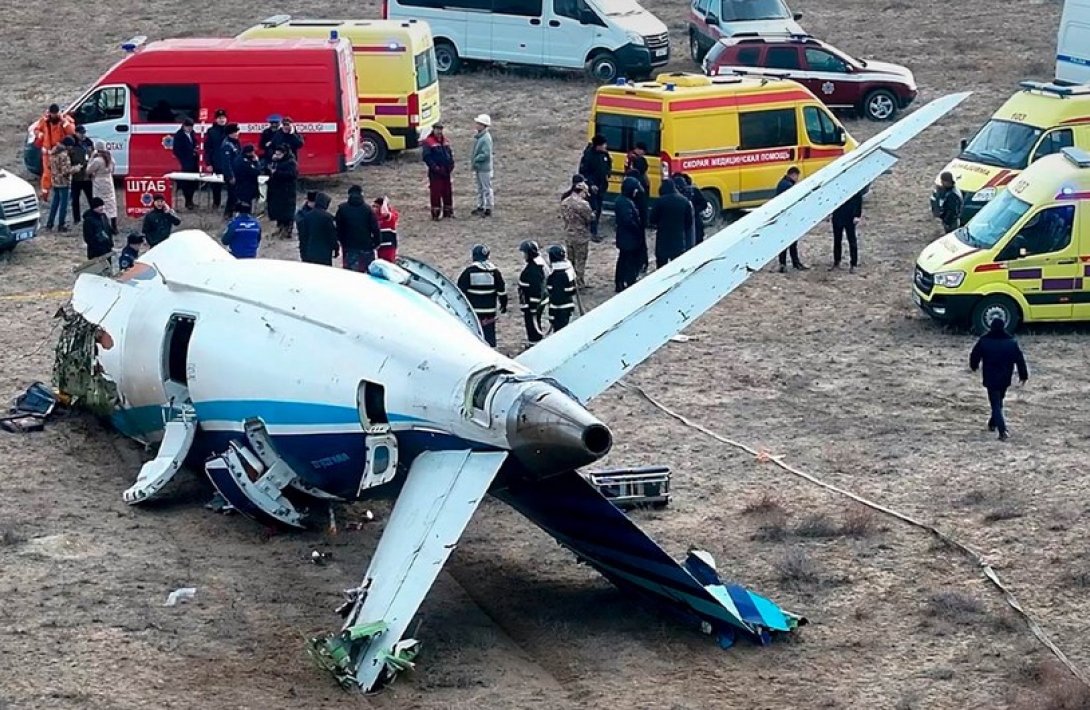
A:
[572,510]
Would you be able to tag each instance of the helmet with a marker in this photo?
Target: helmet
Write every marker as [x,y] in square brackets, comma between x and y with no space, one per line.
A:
[530,248]
[480,252]
[557,253]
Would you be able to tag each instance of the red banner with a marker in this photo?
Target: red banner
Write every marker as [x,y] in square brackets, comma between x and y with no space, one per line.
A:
[139,192]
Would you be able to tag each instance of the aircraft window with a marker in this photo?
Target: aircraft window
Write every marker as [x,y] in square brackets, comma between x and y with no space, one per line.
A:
[381,460]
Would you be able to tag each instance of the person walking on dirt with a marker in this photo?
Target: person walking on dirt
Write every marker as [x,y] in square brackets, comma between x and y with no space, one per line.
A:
[845,219]
[483,166]
[533,297]
[213,141]
[998,352]
[439,157]
[631,239]
[96,230]
[49,131]
[486,291]
[318,233]
[672,216]
[578,218]
[595,165]
[281,190]
[80,155]
[947,203]
[561,288]
[788,181]
[101,172]
[226,156]
[60,167]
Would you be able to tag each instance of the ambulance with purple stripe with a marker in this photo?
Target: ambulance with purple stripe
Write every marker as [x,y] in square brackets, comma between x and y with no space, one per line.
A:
[1025,257]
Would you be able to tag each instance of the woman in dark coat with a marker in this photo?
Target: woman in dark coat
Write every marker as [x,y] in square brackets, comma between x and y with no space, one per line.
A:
[280,198]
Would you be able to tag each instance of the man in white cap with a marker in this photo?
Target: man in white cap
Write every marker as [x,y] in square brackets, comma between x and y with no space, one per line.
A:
[482,165]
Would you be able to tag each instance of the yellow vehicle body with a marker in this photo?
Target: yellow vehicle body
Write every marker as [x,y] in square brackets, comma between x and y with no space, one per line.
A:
[735,136]
[1039,120]
[398,83]
[1024,257]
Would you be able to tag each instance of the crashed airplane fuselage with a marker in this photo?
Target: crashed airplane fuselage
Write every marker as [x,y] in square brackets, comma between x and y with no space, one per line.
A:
[287,378]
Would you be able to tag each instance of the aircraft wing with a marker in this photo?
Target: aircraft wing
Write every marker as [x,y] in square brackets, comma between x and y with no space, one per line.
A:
[595,351]
[441,492]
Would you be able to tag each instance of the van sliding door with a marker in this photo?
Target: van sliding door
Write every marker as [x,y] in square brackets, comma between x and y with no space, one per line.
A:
[518,31]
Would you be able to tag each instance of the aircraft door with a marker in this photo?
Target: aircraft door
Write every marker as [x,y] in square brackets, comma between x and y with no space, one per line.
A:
[381,461]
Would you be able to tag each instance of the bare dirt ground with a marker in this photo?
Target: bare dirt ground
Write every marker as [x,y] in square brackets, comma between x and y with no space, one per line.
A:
[836,372]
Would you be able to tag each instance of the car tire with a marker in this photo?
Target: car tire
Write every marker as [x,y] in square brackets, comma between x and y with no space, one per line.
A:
[447,61]
[992,307]
[603,68]
[880,105]
[714,210]
[695,52]
[373,147]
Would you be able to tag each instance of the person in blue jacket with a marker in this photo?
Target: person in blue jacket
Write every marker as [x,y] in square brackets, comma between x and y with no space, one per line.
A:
[224,164]
[243,233]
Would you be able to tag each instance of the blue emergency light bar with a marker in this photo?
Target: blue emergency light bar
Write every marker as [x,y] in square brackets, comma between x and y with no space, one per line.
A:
[334,35]
[133,44]
[1078,156]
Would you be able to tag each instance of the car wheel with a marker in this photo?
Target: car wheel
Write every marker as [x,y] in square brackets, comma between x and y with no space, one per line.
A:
[603,68]
[992,307]
[373,147]
[695,52]
[447,60]
[880,105]
[714,209]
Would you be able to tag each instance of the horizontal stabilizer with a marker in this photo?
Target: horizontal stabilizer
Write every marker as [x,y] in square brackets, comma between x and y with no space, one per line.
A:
[569,508]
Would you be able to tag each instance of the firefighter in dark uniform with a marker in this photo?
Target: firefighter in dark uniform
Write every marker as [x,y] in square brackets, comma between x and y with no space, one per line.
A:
[561,287]
[483,285]
[532,294]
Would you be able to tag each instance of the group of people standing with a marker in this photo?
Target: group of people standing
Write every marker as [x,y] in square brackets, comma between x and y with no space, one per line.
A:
[357,231]
[439,158]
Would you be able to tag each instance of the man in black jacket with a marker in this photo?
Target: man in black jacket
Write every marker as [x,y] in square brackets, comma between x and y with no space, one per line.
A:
[532,294]
[631,238]
[80,155]
[213,139]
[484,287]
[159,222]
[560,286]
[696,198]
[357,231]
[97,234]
[845,219]
[786,183]
[229,151]
[185,150]
[595,166]
[672,216]
[1000,355]
[318,233]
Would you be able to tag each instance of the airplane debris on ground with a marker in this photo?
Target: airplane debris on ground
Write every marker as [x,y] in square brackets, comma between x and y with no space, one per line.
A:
[180,595]
[30,410]
[255,371]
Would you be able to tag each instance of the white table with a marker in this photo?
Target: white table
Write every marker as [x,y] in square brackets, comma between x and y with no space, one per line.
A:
[205,179]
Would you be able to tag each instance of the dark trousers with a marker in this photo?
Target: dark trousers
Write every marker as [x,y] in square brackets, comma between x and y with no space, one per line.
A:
[488,326]
[229,208]
[629,263]
[80,187]
[560,318]
[531,315]
[839,232]
[595,199]
[995,399]
[442,195]
[217,194]
[358,259]
[188,188]
[794,251]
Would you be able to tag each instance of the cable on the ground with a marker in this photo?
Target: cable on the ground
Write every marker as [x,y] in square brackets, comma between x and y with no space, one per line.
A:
[977,558]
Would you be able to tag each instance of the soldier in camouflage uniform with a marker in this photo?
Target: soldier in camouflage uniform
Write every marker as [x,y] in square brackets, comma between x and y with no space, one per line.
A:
[578,217]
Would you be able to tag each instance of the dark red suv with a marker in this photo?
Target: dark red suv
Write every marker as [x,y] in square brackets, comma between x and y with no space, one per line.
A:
[876,90]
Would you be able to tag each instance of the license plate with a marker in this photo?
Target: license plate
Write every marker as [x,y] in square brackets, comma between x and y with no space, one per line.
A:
[661,52]
[24,234]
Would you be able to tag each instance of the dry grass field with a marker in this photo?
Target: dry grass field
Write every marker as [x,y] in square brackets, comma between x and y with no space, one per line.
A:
[836,372]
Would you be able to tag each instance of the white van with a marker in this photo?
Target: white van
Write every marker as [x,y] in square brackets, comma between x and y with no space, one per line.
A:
[19,215]
[607,38]
[1073,44]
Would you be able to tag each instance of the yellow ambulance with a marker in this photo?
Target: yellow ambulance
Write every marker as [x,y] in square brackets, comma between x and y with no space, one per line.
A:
[1024,257]
[1039,120]
[397,79]
[735,136]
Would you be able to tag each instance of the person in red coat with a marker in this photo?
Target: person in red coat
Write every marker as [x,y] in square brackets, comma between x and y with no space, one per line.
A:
[440,161]
[387,217]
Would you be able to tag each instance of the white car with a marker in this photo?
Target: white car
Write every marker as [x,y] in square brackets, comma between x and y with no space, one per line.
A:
[19,211]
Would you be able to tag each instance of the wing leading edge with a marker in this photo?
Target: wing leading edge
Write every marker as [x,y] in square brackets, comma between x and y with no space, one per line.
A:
[598,349]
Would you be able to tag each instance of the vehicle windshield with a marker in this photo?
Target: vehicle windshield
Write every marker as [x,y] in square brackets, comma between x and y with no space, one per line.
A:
[619,8]
[742,10]
[1003,144]
[993,222]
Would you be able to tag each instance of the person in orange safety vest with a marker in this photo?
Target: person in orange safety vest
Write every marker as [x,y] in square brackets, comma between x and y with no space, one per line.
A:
[49,131]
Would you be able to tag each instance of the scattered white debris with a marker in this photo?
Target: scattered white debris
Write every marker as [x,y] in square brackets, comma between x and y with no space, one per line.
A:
[178,596]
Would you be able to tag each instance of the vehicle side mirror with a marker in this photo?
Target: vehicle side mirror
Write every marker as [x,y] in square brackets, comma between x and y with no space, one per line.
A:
[711,20]
[841,136]
[964,143]
[797,16]
[849,68]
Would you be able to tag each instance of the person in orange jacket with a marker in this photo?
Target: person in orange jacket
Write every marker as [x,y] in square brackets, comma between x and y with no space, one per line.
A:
[387,216]
[52,128]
